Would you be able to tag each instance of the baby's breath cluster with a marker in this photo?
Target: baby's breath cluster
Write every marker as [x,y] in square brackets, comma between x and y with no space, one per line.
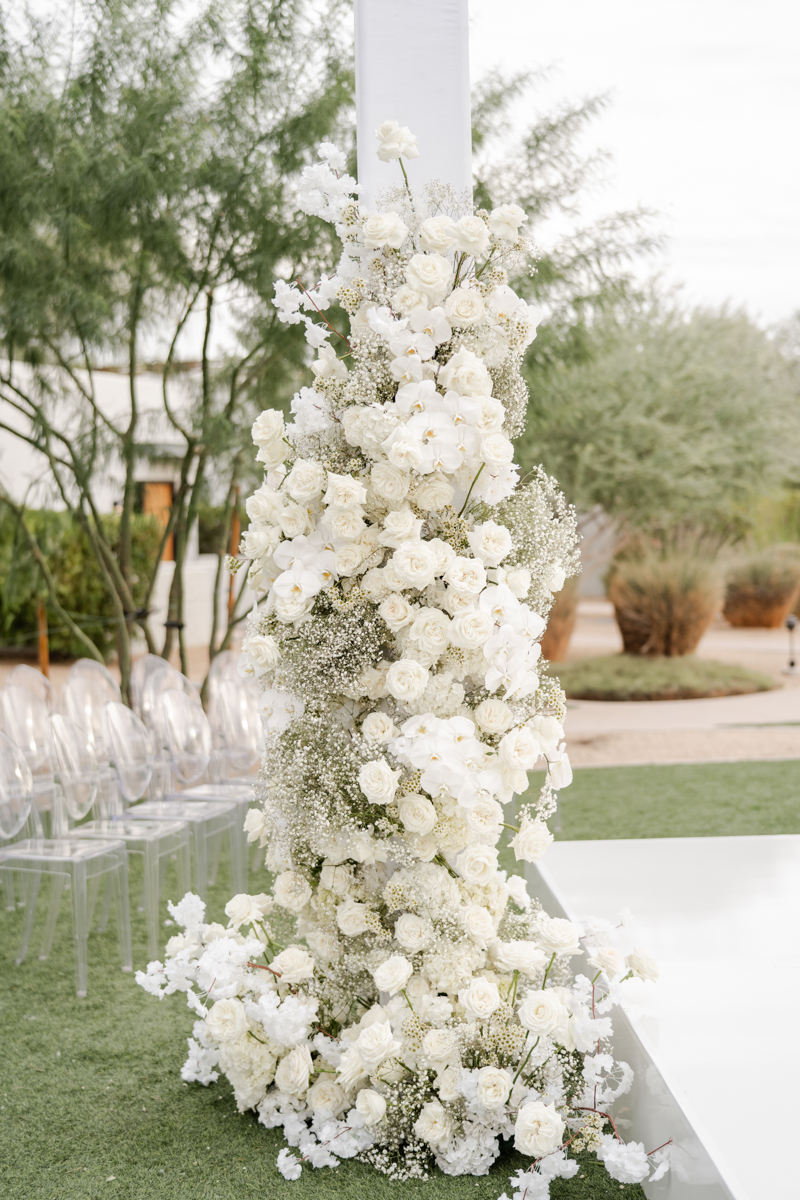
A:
[398,997]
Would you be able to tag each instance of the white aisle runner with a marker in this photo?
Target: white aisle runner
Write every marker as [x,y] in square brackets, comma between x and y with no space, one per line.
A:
[722,918]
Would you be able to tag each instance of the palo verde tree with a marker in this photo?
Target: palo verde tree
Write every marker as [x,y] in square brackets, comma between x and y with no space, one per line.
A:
[148,166]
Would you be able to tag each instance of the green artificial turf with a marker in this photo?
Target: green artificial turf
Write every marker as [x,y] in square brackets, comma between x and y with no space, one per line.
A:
[685,800]
[93,1104]
[632,677]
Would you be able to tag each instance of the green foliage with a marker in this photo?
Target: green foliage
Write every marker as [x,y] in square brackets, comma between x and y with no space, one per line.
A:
[632,677]
[676,415]
[79,587]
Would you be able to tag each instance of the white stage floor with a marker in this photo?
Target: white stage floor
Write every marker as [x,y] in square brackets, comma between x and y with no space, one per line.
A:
[722,918]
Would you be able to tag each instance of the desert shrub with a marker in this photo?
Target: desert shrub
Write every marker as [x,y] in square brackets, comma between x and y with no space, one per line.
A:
[561,621]
[79,585]
[632,677]
[763,588]
[665,596]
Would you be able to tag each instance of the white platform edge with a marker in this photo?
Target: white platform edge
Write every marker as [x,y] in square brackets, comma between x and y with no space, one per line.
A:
[651,1112]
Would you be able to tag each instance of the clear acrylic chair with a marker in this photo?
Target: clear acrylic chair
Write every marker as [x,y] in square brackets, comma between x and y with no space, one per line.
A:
[80,864]
[34,681]
[157,842]
[181,720]
[88,688]
[23,717]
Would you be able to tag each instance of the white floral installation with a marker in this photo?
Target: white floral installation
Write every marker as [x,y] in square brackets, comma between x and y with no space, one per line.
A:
[398,998]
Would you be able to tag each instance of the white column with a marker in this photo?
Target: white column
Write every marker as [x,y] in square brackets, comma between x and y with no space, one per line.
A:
[412,66]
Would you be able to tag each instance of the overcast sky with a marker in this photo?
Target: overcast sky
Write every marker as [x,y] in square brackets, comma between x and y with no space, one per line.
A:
[703,125]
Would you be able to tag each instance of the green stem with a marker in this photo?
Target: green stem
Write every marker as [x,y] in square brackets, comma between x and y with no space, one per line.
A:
[471,486]
[512,827]
[549,965]
[408,1002]
[522,1066]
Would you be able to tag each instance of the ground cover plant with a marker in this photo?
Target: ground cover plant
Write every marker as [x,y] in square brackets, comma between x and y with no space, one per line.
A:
[635,677]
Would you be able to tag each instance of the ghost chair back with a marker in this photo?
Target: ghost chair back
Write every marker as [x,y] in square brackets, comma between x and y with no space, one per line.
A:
[34,681]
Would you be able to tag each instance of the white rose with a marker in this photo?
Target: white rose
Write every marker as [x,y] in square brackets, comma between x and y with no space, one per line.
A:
[466,575]
[472,236]
[478,923]
[431,275]
[464,307]
[559,936]
[541,1013]
[336,878]
[505,220]
[608,959]
[293,965]
[556,578]
[444,554]
[471,630]
[378,781]
[641,963]
[344,491]
[351,1069]
[291,891]
[268,427]
[440,1045]
[494,1087]
[262,650]
[490,542]
[406,680]
[412,932]
[396,611]
[272,454]
[477,864]
[325,945]
[491,415]
[293,520]
[305,481]
[430,633]
[493,716]
[525,957]
[447,1082]
[293,608]
[538,1129]
[293,1071]
[414,563]
[466,374]
[405,455]
[389,483]
[519,749]
[532,840]
[434,1125]
[393,974]
[348,559]
[264,504]
[345,523]
[377,727]
[244,909]
[326,1096]
[258,543]
[485,819]
[396,140]
[406,299]
[480,999]
[433,493]
[328,365]
[437,235]
[351,918]
[370,1106]
[400,525]
[383,229]
[496,450]
[417,813]
[518,582]
[376,1043]
[226,1021]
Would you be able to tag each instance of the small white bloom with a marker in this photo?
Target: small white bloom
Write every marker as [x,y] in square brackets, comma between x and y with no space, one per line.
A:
[429,274]
[464,307]
[532,841]
[226,1021]
[406,680]
[417,813]
[493,1087]
[538,1130]
[293,965]
[371,1106]
[293,1071]
[480,999]
[393,974]
[305,481]
[376,1043]
[541,1012]
[505,220]
[434,1125]
[377,727]
[396,141]
[383,229]
[412,932]
[642,964]
[378,781]
[291,891]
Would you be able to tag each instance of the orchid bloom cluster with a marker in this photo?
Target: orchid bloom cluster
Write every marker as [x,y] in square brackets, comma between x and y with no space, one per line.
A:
[398,997]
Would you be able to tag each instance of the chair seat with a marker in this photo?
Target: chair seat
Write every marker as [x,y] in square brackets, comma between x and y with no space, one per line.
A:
[191,811]
[60,849]
[143,830]
[217,791]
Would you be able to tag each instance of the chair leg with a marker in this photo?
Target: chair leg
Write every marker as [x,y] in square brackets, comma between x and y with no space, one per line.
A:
[184,862]
[80,927]
[238,859]
[213,858]
[123,912]
[30,890]
[105,909]
[152,894]
[200,859]
[8,888]
[59,883]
